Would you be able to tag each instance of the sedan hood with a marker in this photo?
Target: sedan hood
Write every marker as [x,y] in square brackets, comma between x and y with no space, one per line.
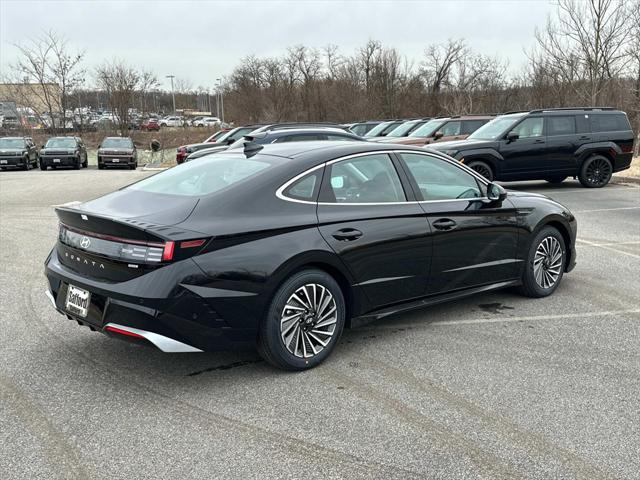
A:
[142,206]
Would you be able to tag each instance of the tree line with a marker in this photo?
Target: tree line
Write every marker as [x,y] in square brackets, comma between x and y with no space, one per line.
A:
[587,54]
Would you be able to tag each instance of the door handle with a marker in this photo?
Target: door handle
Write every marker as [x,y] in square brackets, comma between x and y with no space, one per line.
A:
[346,234]
[444,224]
[585,137]
[539,141]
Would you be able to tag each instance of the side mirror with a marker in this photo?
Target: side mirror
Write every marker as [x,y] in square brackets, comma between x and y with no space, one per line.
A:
[438,135]
[230,141]
[99,146]
[512,136]
[496,193]
[41,146]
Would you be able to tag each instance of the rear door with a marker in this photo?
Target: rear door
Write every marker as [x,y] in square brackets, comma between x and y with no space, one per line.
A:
[563,140]
[474,242]
[376,227]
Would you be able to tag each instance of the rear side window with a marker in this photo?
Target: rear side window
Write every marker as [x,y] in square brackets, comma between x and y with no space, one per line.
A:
[609,122]
[304,189]
[470,126]
[561,125]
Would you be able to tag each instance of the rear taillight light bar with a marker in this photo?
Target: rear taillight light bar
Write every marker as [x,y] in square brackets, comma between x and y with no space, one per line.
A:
[126,249]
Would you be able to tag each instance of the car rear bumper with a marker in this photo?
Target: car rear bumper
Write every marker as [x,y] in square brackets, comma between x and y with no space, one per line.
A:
[180,321]
[622,161]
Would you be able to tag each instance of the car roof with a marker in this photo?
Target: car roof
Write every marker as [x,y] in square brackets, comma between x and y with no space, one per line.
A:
[319,151]
[290,131]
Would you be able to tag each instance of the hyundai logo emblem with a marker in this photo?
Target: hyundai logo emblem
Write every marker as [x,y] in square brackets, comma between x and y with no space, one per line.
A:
[85,242]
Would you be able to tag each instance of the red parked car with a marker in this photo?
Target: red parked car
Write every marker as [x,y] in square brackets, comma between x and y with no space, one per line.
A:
[150,125]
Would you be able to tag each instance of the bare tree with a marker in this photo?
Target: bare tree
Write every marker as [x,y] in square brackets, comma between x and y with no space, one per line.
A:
[120,82]
[633,50]
[438,64]
[49,74]
[585,45]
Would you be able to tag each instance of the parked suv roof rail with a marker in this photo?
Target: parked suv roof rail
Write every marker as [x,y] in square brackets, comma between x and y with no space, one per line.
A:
[564,109]
[276,126]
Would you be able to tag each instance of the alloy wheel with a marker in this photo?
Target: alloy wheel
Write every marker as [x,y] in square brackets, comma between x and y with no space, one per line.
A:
[598,171]
[482,170]
[548,262]
[308,320]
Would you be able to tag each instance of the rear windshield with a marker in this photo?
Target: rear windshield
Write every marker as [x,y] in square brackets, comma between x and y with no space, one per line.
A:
[61,143]
[117,143]
[207,175]
[11,143]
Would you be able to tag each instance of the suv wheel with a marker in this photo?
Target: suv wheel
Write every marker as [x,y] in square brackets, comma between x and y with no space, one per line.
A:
[304,321]
[595,172]
[77,164]
[27,164]
[544,264]
[42,166]
[481,168]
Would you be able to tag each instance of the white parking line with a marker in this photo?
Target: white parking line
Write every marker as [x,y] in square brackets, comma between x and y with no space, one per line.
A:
[534,318]
[606,247]
[606,210]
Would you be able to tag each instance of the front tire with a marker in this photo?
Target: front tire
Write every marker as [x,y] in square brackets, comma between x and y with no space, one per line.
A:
[482,168]
[304,321]
[595,172]
[545,264]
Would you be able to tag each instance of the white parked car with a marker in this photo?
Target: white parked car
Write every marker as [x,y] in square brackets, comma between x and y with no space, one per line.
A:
[171,122]
[207,122]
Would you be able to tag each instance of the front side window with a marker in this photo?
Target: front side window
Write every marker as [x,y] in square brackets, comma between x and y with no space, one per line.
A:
[428,129]
[529,128]
[495,128]
[366,179]
[440,180]
[450,129]
[561,125]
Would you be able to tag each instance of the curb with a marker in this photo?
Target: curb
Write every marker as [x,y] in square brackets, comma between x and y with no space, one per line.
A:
[623,179]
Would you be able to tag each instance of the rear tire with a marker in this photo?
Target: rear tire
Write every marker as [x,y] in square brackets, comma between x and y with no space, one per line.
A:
[545,264]
[304,321]
[595,172]
[482,168]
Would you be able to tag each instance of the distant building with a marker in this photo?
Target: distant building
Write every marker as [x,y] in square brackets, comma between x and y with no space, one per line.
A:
[32,96]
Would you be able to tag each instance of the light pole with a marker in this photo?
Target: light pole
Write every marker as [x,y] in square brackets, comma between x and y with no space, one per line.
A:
[173,95]
[219,85]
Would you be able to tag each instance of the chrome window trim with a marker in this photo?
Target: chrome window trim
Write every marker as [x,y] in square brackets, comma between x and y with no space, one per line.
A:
[280,192]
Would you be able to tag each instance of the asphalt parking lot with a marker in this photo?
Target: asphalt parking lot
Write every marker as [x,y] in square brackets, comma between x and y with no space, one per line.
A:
[495,386]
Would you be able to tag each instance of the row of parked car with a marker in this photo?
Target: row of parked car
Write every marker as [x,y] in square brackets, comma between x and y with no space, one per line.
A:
[551,144]
[22,153]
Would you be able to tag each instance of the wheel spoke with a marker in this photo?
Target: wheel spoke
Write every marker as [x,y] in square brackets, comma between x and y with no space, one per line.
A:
[308,320]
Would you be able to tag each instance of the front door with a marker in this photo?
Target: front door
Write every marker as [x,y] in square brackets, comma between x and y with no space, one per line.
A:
[474,241]
[366,216]
[527,153]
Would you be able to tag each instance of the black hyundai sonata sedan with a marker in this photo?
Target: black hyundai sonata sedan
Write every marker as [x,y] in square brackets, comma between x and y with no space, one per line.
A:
[282,246]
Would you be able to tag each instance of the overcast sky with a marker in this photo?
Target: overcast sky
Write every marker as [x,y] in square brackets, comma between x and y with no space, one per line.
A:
[203,40]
